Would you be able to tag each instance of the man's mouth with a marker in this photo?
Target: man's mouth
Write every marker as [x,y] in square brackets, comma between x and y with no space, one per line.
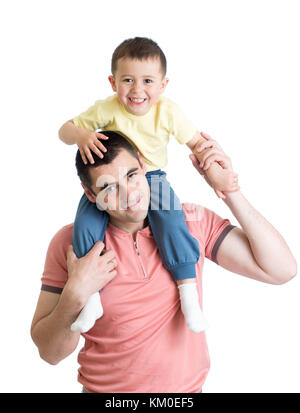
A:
[134,205]
[137,101]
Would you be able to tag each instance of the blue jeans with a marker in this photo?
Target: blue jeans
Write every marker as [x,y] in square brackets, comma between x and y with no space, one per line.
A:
[178,249]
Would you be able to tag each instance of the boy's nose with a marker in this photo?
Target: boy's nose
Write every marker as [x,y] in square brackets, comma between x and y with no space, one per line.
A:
[137,87]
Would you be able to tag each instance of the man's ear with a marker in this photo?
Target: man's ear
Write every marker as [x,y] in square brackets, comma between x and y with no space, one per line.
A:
[142,163]
[89,194]
[112,82]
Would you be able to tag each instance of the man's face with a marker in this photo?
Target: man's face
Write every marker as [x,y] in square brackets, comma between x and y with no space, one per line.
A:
[138,84]
[121,189]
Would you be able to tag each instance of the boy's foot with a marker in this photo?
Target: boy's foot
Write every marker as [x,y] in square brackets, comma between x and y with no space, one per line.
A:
[190,307]
[88,315]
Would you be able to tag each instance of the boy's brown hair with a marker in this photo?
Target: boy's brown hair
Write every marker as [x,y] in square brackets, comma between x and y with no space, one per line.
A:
[138,48]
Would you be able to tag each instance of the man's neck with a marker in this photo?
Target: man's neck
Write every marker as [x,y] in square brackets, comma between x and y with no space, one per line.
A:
[131,227]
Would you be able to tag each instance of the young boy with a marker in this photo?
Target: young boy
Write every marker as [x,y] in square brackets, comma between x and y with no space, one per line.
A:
[138,111]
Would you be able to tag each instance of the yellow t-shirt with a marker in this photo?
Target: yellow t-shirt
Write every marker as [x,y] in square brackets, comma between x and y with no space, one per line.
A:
[149,133]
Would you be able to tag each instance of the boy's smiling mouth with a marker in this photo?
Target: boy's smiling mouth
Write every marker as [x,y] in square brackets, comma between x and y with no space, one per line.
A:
[137,101]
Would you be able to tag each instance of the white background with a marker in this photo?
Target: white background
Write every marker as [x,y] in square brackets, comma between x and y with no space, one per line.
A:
[234,69]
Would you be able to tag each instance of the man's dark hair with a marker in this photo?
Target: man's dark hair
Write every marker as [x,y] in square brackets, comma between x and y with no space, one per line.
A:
[139,48]
[114,144]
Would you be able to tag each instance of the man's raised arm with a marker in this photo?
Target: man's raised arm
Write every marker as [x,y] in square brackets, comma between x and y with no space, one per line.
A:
[257,250]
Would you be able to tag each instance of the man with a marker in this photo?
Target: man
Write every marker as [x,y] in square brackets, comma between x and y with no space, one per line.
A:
[141,343]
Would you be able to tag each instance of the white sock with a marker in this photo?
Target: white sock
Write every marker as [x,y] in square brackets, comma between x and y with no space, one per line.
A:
[89,314]
[191,308]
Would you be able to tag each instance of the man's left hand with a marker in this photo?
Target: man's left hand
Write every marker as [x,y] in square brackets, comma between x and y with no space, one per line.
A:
[214,153]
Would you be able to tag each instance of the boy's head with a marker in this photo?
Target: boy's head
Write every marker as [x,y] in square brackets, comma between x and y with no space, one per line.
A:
[116,182]
[138,74]
[139,48]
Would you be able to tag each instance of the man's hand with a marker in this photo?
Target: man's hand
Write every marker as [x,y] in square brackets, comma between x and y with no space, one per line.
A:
[214,153]
[91,272]
[89,141]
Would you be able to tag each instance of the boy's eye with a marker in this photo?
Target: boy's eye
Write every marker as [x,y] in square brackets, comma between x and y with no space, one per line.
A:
[128,80]
[148,81]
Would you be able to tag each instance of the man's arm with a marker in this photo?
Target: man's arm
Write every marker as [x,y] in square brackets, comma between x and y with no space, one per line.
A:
[257,250]
[55,313]
[51,324]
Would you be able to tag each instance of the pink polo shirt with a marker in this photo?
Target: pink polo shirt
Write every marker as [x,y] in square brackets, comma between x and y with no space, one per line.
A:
[141,344]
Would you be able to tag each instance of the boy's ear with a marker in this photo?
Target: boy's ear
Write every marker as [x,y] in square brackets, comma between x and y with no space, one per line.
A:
[91,197]
[164,83]
[112,82]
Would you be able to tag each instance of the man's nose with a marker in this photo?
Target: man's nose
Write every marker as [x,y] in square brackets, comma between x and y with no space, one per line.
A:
[124,194]
[128,194]
[133,192]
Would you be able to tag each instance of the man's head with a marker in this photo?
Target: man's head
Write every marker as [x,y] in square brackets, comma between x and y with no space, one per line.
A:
[116,182]
[138,74]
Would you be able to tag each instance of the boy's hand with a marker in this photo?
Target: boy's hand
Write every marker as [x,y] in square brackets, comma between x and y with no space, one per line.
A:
[89,141]
[214,153]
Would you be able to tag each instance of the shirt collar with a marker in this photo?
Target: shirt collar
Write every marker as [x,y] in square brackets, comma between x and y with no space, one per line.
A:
[146,232]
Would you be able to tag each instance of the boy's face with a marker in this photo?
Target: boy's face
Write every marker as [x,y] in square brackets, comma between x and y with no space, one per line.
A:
[138,84]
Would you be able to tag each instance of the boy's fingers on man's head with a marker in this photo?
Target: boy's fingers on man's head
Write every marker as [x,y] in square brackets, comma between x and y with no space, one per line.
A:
[97,152]
[89,156]
[83,157]
[99,145]
[101,136]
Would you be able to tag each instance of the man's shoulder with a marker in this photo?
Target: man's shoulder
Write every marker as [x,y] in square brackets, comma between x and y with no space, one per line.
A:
[200,219]
[194,211]
[63,236]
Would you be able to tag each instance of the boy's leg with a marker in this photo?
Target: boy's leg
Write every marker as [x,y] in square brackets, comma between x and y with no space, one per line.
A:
[178,249]
[89,227]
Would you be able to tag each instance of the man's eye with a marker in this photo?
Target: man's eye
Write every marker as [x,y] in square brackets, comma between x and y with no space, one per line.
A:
[132,177]
[110,189]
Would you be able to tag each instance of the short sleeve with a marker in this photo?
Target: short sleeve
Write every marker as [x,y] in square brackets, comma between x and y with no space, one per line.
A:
[55,273]
[208,227]
[180,126]
[96,117]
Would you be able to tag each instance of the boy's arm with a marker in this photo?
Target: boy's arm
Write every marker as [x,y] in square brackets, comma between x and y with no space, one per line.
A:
[86,141]
[68,133]
[222,180]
